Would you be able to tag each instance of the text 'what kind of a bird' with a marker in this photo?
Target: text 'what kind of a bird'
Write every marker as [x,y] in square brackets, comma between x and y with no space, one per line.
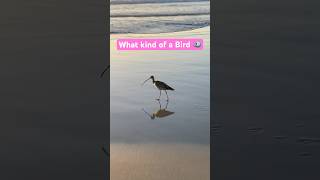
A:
[160,44]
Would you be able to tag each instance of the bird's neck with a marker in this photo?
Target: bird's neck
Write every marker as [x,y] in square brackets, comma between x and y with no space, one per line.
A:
[153,80]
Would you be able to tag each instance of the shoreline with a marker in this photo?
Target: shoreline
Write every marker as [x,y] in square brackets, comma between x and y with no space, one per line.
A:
[196,30]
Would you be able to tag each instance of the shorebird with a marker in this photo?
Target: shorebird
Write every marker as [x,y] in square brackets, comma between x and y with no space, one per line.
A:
[160,85]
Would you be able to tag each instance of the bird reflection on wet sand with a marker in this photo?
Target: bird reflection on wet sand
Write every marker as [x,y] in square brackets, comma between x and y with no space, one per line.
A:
[161,113]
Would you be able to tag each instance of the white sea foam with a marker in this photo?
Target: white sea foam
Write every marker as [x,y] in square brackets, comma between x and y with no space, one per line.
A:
[150,16]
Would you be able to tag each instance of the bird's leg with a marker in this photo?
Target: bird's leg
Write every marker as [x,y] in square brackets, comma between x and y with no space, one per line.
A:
[159,104]
[159,95]
[167,95]
[167,105]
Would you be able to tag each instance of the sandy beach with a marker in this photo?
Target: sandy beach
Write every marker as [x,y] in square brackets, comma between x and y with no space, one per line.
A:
[160,161]
[266,92]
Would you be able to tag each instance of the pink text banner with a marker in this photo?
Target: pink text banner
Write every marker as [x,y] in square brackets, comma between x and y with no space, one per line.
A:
[159,44]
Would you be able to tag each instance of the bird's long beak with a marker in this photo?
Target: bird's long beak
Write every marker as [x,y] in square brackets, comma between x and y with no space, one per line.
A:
[145,81]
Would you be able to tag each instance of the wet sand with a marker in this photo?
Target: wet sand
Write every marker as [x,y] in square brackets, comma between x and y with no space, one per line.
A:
[174,143]
[160,161]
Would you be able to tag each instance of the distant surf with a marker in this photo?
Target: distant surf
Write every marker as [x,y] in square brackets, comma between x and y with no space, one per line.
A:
[150,1]
[158,16]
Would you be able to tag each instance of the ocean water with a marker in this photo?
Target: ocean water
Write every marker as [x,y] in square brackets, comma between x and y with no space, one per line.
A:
[158,16]
[150,1]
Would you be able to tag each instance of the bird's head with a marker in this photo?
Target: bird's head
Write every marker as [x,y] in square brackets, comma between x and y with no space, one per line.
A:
[151,77]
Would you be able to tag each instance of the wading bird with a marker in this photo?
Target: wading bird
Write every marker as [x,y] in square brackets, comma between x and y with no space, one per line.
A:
[160,85]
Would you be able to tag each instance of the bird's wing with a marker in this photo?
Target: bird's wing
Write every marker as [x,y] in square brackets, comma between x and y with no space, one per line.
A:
[164,85]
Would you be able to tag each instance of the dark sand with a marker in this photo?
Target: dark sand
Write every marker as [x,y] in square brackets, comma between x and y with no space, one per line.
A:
[266,91]
[53,103]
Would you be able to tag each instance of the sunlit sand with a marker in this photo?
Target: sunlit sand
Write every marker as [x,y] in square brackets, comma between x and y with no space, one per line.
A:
[160,162]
